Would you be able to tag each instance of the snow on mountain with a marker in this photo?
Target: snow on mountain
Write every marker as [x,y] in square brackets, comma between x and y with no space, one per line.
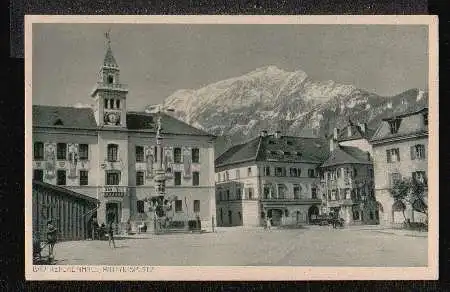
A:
[273,99]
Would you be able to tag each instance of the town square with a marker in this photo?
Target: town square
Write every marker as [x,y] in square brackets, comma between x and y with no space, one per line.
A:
[238,246]
[262,166]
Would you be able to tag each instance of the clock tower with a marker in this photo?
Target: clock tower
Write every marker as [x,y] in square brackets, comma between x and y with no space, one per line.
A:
[109,94]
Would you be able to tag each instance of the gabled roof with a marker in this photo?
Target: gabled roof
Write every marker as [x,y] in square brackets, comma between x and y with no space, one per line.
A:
[282,149]
[409,125]
[239,153]
[63,117]
[347,155]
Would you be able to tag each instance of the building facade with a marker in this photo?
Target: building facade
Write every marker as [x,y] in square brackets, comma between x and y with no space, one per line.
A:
[109,153]
[69,211]
[400,147]
[271,175]
[347,181]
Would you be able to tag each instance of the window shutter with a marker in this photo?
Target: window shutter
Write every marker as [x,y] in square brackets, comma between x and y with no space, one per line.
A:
[388,155]
[413,152]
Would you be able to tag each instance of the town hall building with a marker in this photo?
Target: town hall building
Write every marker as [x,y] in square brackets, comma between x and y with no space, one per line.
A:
[109,153]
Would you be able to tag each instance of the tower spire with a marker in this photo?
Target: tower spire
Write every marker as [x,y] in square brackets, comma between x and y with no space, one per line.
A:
[109,60]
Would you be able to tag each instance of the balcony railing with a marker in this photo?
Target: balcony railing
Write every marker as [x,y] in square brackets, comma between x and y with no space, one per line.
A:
[105,85]
[115,191]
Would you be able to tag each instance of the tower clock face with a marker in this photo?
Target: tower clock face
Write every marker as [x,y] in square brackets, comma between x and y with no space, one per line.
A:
[112,118]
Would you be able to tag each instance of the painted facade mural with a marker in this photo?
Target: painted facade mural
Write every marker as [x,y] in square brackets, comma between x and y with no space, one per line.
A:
[187,162]
[50,160]
[73,160]
[149,160]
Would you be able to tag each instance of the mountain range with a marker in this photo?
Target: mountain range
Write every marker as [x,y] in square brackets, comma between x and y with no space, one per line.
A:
[271,99]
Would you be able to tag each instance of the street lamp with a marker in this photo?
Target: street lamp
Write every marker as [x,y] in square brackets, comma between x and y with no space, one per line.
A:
[159,203]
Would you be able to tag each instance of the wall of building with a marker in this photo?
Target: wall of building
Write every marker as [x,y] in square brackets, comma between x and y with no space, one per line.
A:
[383,171]
[97,165]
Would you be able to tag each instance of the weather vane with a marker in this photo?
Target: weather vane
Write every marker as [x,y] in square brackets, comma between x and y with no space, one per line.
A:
[108,39]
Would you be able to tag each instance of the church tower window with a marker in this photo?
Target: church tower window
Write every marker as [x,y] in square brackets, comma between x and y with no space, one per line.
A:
[110,79]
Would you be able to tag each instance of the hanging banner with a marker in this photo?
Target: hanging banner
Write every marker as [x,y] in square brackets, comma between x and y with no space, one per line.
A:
[50,160]
[149,160]
[73,160]
[187,162]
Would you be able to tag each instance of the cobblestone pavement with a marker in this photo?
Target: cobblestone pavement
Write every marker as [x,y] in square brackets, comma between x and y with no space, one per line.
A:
[309,246]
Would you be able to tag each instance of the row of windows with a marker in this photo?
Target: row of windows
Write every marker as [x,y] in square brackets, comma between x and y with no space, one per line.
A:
[355,194]
[417,152]
[112,177]
[61,176]
[195,154]
[278,171]
[345,173]
[418,176]
[269,192]
[112,152]
[178,206]
[225,194]
[61,151]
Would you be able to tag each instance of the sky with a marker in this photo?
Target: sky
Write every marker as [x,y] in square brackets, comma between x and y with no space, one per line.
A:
[158,59]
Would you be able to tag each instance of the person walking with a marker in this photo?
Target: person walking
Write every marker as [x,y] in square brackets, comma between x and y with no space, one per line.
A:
[51,238]
[111,235]
[269,223]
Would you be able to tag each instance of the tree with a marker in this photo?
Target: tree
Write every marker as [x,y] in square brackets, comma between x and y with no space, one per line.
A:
[412,192]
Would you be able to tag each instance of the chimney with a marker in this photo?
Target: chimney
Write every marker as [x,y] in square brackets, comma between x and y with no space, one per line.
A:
[349,130]
[335,133]
[277,134]
[263,133]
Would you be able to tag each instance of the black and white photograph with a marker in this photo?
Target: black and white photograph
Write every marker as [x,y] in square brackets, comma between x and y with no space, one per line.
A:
[250,146]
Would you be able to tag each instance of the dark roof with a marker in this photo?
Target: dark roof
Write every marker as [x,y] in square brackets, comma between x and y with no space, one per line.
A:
[347,155]
[83,118]
[63,117]
[356,133]
[283,149]
[109,60]
[170,125]
[238,153]
[408,125]
[64,191]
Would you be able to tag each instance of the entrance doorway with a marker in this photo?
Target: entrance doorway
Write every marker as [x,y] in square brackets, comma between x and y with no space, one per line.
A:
[276,215]
[313,210]
[112,212]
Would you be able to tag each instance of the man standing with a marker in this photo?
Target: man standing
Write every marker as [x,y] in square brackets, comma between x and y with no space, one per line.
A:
[111,234]
[51,238]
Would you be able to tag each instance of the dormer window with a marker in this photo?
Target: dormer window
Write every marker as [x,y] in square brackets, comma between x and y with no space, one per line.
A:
[289,143]
[394,125]
[273,152]
[110,79]
[271,142]
[287,153]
